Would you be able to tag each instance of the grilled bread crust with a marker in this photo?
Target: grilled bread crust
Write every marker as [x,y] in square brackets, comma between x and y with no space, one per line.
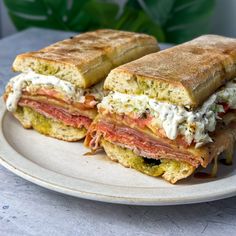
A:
[183,75]
[87,58]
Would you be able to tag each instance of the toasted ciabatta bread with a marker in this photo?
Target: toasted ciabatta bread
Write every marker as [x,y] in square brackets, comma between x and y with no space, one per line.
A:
[87,58]
[184,75]
[32,119]
[170,170]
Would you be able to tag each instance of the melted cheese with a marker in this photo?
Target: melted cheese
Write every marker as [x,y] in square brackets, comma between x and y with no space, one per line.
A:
[193,125]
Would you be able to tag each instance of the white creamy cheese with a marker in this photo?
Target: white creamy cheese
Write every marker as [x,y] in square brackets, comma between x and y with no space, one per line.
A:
[193,125]
[28,80]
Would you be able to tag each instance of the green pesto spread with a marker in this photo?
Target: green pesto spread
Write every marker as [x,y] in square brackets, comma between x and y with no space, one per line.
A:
[38,121]
[145,165]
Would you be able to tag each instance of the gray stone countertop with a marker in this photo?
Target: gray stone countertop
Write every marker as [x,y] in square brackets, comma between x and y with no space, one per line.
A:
[27,209]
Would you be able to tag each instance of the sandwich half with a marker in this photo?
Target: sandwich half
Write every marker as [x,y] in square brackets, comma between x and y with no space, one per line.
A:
[170,112]
[59,86]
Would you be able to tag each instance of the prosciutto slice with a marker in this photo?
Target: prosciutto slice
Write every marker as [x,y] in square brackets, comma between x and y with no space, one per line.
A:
[57,113]
[158,148]
[139,142]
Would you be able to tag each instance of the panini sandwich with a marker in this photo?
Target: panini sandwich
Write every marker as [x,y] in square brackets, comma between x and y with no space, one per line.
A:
[170,112]
[59,86]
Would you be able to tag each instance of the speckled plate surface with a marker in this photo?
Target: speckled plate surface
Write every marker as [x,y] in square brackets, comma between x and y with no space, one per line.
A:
[63,167]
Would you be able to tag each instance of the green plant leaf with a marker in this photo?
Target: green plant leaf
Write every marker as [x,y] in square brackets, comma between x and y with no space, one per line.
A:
[80,16]
[183,33]
[58,7]
[35,8]
[158,10]
[77,20]
[188,19]
[93,15]
[102,14]
[185,11]
[26,13]
[134,4]
[179,20]
[169,20]
[134,19]
[23,23]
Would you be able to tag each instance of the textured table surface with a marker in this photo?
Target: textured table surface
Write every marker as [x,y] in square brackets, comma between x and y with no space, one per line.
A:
[27,209]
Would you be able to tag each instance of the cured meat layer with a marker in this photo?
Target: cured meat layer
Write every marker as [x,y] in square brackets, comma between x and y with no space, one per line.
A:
[57,113]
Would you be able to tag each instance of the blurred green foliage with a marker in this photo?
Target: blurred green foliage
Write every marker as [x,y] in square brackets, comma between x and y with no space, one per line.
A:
[173,21]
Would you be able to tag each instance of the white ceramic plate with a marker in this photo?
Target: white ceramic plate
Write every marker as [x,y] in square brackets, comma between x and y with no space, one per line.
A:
[63,167]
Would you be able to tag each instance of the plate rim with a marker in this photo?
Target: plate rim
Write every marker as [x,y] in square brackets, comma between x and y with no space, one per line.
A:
[9,158]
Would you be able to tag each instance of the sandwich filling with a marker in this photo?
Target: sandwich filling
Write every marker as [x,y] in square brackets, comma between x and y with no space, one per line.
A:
[176,105]
[171,170]
[172,121]
[159,130]
[53,98]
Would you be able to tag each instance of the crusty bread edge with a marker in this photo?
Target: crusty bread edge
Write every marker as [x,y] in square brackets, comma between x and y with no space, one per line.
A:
[121,80]
[58,130]
[118,154]
[80,77]
[183,93]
